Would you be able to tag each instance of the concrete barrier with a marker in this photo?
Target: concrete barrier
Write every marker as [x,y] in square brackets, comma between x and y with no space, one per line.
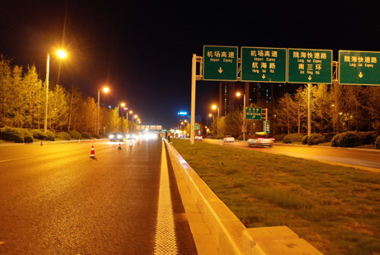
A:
[231,236]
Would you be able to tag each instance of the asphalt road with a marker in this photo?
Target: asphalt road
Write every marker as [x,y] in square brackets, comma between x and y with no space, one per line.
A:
[55,199]
[349,156]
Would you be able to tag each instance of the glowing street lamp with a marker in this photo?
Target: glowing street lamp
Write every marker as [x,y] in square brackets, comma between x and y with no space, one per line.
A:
[214,107]
[105,90]
[60,54]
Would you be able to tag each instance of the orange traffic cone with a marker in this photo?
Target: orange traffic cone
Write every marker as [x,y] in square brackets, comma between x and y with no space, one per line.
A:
[42,143]
[119,148]
[92,152]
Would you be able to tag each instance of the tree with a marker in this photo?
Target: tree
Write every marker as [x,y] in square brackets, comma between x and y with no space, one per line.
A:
[58,108]
[5,83]
[34,97]
[233,123]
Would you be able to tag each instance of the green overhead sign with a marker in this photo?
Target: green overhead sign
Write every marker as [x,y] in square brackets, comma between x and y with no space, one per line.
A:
[263,64]
[359,67]
[253,113]
[309,66]
[220,63]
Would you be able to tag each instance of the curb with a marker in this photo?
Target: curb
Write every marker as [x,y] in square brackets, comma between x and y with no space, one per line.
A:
[230,235]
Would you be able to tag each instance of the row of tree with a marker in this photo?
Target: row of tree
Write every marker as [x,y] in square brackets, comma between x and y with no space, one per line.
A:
[334,108]
[23,101]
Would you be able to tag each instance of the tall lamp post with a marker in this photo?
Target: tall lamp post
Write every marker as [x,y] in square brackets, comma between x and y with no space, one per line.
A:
[105,90]
[128,120]
[244,112]
[61,54]
[214,107]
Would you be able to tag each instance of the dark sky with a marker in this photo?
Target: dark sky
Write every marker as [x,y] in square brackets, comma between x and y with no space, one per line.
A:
[143,49]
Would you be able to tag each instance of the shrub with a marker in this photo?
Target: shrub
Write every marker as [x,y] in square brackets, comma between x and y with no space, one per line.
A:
[304,139]
[96,136]
[377,143]
[75,134]
[63,136]
[293,138]
[38,134]
[366,137]
[334,140]
[12,134]
[28,137]
[329,136]
[279,137]
[218,137]
[50,136]
[348,139]
[86,135]
[315,139]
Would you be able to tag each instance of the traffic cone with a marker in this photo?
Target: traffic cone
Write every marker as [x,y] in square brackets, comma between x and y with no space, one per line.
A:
[119,148]
[42,143]
[92,152]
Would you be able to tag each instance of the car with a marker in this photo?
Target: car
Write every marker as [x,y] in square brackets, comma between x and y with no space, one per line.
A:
[261,140]
[198,137]
[229,139]
[117,136]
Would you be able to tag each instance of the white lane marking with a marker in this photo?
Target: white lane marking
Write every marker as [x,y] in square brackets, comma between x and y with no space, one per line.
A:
[165,243]
[12,159]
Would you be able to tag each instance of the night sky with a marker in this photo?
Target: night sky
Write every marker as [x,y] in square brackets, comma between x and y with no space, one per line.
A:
[143,49]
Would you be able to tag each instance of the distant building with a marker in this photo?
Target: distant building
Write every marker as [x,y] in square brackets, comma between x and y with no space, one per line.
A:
[257,94]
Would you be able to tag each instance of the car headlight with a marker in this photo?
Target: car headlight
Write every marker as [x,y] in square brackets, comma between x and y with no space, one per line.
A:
[111,136]
[119,136]
[128,136]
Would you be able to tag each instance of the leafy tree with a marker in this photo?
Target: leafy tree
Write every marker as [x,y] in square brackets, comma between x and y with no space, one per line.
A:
[233,123]
[5,84]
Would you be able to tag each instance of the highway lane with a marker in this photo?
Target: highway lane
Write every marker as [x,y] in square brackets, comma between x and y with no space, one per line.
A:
[56,200]
[350,156]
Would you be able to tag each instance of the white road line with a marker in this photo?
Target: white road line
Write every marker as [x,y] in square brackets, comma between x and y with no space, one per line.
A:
[165,242]
[12,159]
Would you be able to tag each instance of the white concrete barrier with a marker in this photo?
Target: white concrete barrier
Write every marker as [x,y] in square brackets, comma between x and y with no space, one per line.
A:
[231,236]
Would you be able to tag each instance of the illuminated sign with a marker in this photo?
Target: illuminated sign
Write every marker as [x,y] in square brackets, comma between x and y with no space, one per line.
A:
[182,113]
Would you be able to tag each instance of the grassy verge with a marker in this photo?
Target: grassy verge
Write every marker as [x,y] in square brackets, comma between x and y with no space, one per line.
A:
[336,209]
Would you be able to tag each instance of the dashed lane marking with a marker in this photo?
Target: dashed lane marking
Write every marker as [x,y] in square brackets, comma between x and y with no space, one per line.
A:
[165,242]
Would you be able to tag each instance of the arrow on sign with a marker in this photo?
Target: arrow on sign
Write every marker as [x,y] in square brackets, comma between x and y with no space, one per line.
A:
[361,75]
[263,76]
[220,70]
[309,78]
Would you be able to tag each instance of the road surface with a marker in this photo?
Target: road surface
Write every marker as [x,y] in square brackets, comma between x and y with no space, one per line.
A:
[55,199]
[351,156]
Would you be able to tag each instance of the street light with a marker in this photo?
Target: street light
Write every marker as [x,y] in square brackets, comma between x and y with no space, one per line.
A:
[238,94]
[60,54]
[105,90]
[214,107]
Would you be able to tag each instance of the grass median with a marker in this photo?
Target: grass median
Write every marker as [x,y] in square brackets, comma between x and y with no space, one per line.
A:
[336,209]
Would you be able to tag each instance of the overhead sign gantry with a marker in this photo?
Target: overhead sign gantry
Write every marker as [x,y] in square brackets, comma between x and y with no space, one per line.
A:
[281,65]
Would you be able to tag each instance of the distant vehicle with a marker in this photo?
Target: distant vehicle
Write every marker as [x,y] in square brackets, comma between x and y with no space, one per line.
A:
[116,137]
[260,140]
[198,137]
[228,139]
[132,136]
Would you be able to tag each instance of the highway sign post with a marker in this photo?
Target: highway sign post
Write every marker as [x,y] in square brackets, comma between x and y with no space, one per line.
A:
[196,126]
[263,64]
[309,66]
[220,63]
[253,113]
[359,67]
[266,127]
